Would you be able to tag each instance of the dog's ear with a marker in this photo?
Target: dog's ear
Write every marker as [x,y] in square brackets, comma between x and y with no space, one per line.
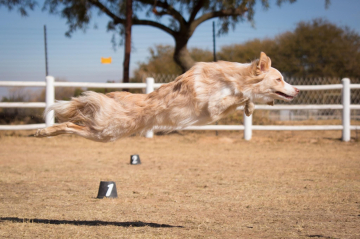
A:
[264,64]
[270,103]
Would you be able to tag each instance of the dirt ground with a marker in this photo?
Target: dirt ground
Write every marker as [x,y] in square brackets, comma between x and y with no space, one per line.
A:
[189,185]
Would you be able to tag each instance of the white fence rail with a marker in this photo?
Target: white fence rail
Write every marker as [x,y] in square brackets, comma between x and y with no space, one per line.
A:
[50,85]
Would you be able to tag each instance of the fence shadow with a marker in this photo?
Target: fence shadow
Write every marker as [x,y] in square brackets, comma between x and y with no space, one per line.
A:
[86,223]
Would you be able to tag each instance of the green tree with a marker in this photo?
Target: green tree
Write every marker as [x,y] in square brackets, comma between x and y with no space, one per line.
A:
[21,5]
[319,48]
[316,48]
[246,52]
[183,16]
[161,61]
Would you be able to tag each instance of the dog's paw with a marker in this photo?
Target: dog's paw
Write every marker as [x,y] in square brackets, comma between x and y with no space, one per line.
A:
[40,133]
[249,108]
[270,103]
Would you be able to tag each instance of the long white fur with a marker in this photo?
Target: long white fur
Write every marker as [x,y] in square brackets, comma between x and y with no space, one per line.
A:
[204,94]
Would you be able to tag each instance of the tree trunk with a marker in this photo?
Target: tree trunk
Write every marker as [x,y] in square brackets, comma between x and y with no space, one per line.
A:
[127,41]
[182,56]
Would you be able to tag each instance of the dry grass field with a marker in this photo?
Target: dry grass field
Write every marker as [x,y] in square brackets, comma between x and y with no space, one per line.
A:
[189,185]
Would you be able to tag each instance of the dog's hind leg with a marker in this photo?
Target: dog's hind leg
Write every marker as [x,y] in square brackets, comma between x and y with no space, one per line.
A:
[64,128]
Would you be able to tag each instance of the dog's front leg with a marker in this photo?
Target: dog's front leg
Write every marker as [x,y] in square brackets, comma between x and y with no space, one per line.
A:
[249,108]
[270,103]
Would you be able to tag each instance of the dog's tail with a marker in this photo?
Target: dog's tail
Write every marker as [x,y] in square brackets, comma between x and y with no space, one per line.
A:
[80,110]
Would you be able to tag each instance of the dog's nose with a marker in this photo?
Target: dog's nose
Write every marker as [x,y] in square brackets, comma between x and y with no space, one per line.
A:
[296,90]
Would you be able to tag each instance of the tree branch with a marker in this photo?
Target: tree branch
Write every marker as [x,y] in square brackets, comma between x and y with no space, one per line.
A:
[167,10]
[222,13]
[154,24]
[196,9]
[119,20]
[107,11]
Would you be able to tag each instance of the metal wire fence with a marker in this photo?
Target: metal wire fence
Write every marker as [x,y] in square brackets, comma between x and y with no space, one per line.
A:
[317,98]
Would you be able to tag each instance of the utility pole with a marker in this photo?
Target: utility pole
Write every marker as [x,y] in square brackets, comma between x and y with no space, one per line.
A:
[46,58]
[214,53]
[128,24]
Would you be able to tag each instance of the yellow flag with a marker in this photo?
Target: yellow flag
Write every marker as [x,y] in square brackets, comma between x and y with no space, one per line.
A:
[105,60]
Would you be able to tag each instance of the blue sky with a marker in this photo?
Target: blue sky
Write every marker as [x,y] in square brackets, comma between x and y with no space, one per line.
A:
[78,58]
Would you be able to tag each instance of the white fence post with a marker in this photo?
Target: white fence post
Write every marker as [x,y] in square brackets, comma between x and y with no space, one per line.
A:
[346,101]
[49,100]
[149,88]
[247,127]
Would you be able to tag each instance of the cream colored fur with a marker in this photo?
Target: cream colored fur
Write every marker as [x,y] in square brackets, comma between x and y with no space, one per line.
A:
[204,94]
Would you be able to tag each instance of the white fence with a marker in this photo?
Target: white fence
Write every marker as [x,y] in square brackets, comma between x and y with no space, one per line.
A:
[50,85]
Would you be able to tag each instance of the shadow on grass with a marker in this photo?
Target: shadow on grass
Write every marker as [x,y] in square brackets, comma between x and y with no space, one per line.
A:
[85,223]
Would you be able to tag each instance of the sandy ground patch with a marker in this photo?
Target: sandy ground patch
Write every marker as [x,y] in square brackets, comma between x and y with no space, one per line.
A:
[189,185]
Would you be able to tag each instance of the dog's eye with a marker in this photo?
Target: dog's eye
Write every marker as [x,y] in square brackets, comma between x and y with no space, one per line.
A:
[278,79]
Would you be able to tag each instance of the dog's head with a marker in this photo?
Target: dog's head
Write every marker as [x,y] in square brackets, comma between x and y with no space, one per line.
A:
[270,84]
